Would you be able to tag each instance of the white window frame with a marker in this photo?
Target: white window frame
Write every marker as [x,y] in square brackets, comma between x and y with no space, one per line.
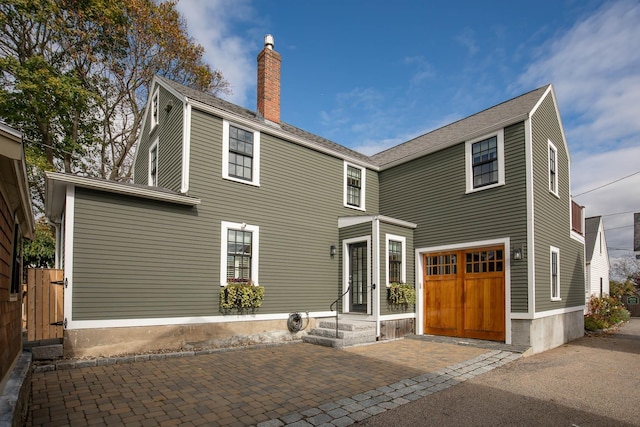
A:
[255,170]
[155,108]
[403,242]
[153,146]
[255,249]
[553,190]
[553,250]
[363,186]
[469,161]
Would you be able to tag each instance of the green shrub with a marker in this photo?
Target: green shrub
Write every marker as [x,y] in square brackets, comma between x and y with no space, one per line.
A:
[604,312]
[241,296]
[402,293]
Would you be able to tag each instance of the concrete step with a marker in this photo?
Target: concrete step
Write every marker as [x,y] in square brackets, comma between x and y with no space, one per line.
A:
[350,332]
[346,325]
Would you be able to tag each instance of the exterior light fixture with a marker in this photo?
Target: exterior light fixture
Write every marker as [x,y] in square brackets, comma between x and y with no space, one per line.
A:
[517,252]
[169,106]
[332,250]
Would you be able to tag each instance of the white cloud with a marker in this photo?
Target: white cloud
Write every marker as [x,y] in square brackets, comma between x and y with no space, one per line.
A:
[594,68]
[210,24]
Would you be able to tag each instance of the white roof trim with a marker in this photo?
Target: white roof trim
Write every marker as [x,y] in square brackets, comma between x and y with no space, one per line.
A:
[56,182]
[348,221]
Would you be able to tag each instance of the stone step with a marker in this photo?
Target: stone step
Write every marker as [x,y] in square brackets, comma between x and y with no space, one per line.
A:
[346,325]
[350,332]
[343,334]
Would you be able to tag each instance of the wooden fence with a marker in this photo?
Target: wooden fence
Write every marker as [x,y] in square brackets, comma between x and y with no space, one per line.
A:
[44,304]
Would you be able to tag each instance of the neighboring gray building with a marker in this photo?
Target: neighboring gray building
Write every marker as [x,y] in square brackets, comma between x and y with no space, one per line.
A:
[477,215]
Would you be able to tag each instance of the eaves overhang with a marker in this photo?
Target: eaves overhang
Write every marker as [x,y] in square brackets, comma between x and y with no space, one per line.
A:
[57,184]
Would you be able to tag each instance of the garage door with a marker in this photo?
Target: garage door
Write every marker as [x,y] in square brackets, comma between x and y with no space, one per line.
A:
[465,293]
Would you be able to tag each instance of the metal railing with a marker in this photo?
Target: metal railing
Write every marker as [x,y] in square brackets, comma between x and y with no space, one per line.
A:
[334,303]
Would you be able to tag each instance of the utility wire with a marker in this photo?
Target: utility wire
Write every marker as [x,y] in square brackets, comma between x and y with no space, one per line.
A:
[615,228]
[612,182]
[621,213]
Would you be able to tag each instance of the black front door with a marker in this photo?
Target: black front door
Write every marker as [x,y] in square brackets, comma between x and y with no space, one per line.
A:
[358,277]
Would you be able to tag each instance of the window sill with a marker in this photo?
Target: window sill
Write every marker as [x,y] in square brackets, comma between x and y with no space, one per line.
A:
[357,208]
[242,181]
[486,187]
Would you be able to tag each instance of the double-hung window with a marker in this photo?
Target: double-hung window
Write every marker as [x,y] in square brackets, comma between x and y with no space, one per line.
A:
[555,273]
[239,253]
[241,154]
[354,186]
[485,162]
[16,264]
[396,259]
[153,164]
[155,109]
[553,169]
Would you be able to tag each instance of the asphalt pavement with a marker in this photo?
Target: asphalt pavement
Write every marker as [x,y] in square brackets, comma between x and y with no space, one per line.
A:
[592,381]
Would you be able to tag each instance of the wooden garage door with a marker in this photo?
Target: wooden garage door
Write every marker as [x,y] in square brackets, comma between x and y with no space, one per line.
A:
[465,293]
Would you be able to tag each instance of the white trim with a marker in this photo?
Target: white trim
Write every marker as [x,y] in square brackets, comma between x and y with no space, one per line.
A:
[155,108]
[403,241]
[255,168]
[547,313]
[469,161]
[375,266]
[69,219]
[113,187]
[554,190]
[363,186]
[531,254]
[348,221]
[419,269]
[397,316]
[153,146]
[255,249]
[345,270]
[162,321]
[554,250]
[186,147]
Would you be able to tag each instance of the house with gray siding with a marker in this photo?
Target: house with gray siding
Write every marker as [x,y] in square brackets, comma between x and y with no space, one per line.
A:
[476,216]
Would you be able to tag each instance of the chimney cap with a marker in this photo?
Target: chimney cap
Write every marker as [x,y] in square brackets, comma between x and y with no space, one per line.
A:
[268,41]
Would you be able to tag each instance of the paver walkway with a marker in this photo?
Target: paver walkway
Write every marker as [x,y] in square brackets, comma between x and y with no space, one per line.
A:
[294,384]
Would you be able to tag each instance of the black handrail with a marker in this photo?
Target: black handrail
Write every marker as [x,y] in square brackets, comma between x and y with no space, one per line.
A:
[332,304]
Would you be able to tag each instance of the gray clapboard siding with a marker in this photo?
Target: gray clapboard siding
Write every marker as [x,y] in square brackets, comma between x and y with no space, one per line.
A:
[168,132]
[552,216]
[167,257]
[430,191]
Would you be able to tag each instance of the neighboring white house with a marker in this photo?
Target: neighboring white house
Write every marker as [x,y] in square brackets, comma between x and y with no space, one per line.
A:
[596,258]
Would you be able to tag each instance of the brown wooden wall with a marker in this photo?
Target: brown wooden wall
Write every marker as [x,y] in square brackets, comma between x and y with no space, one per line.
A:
[10,305]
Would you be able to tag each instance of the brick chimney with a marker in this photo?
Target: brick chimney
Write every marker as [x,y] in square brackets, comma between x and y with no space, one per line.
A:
[269,81]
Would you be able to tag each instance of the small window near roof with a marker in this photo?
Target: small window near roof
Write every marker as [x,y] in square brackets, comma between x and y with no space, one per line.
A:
[153,165]
[354,186]
[240,154]
[155,108]
[485,162]
[553,168]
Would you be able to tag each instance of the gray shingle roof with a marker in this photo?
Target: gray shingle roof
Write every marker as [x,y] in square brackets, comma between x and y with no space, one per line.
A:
[216,102]
[497,116]
[500,115]
[591,226]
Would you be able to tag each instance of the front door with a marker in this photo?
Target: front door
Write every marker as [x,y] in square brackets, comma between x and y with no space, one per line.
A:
[358,273]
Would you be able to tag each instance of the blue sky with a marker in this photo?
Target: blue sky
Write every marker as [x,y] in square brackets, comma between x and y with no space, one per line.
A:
[372,74]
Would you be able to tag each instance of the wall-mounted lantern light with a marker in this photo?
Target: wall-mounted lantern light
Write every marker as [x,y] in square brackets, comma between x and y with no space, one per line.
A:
[517,252]
[169,106]
[332,250]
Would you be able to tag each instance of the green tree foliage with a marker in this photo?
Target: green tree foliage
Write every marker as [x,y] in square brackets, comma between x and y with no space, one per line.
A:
[41,251]
[74,77]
